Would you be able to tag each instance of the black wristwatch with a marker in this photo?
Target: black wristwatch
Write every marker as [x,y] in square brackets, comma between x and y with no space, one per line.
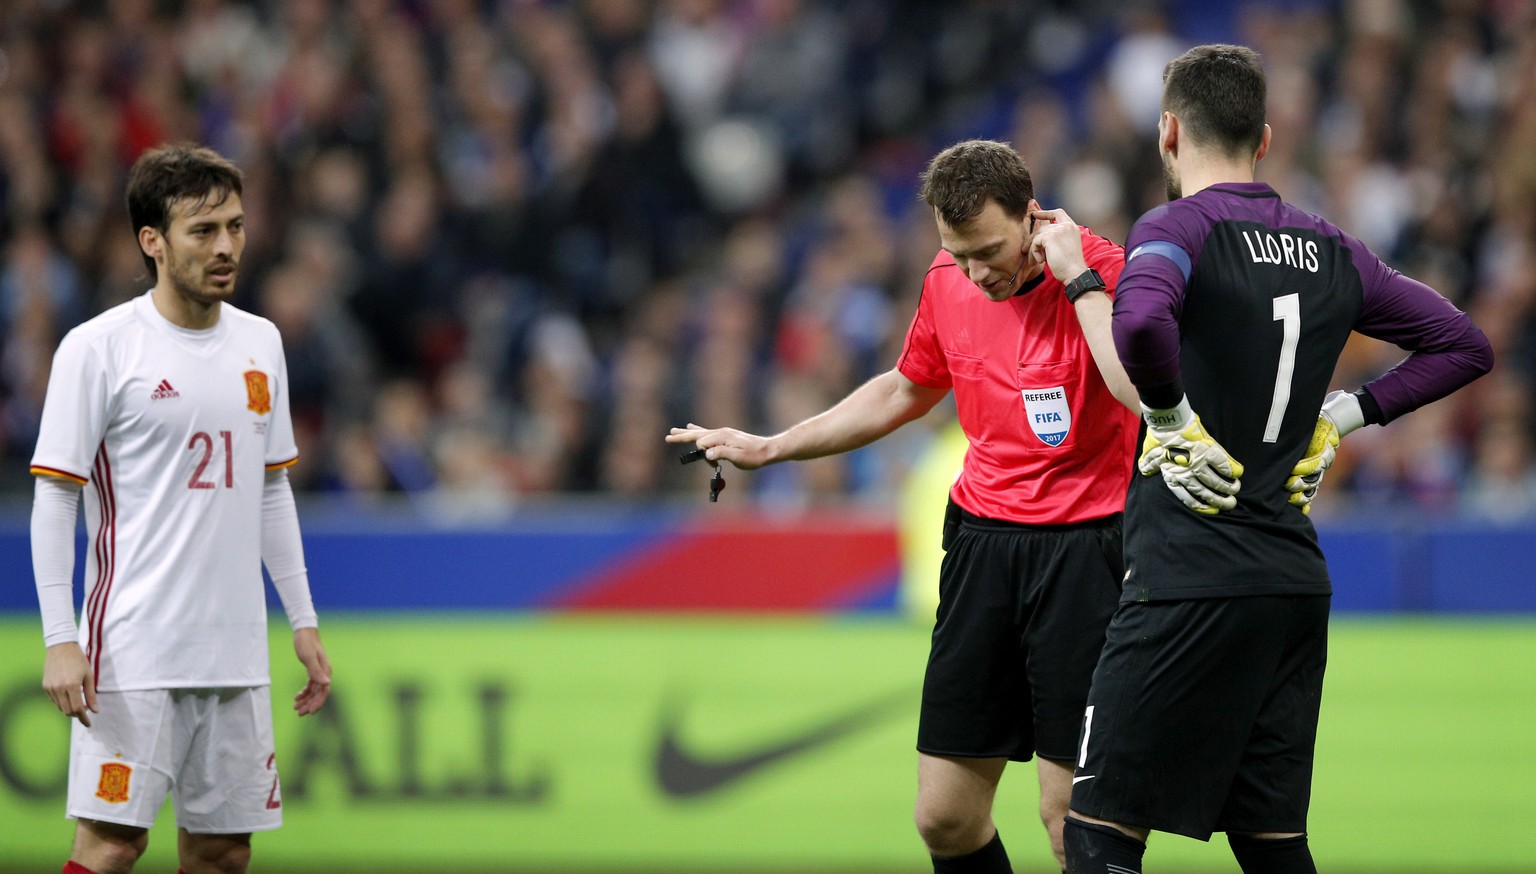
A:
[1088,280]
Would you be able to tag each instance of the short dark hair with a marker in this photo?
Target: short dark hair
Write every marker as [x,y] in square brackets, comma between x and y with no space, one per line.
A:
[178,171]
[1218,93]
[960,180]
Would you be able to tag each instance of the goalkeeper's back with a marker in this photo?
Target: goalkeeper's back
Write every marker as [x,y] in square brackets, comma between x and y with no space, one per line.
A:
[1258,298]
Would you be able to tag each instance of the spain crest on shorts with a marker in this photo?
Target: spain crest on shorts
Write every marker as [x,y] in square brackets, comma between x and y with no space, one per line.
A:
[256,391]
[113,785]
[1048,414]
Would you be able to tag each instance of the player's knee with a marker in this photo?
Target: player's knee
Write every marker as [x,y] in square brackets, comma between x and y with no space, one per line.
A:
[109,849]
[222,857]
[235,860]
[947,831]
[934,824]
[114,857]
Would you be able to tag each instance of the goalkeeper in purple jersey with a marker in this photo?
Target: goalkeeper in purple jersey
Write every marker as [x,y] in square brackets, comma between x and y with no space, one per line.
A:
[1232,312]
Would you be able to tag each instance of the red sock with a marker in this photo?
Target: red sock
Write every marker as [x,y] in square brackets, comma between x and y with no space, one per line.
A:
[73,867]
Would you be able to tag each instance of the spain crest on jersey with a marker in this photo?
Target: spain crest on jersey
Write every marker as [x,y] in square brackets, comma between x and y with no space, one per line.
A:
[256,390]
[113,785]
[1048,414]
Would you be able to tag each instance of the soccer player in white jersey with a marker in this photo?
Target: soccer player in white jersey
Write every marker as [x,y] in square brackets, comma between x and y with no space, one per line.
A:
[170,412]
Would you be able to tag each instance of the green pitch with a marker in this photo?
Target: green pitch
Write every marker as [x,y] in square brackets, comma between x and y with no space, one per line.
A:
[569,744]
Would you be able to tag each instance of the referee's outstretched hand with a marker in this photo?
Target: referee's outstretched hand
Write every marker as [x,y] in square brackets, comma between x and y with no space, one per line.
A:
[742,450]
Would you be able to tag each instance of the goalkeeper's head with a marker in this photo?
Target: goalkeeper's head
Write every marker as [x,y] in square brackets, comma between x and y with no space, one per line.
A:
[1213,104]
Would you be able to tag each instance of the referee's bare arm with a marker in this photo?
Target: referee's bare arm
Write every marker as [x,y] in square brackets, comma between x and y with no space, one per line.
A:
[870,412]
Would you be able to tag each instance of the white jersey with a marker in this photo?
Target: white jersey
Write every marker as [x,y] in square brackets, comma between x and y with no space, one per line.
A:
[171,431]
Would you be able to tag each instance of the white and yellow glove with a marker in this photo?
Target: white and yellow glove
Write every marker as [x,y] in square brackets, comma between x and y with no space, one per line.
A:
[1340,415]
[1193,465]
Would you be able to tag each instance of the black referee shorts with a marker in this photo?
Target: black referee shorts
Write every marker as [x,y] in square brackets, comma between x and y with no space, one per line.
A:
[1203,715]
[1021,619]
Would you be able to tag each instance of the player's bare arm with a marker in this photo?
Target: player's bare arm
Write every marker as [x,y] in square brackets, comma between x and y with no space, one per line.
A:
[311,653]
[68,681]
[872,411]
[1057,240]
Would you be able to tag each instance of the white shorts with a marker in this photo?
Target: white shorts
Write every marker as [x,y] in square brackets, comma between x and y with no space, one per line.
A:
[211,749]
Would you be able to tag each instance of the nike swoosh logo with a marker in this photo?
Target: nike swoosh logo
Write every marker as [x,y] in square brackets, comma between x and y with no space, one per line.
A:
[683,773]
[1077,780]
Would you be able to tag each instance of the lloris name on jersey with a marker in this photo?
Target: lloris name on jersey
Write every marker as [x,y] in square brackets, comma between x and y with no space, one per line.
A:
[1275,248]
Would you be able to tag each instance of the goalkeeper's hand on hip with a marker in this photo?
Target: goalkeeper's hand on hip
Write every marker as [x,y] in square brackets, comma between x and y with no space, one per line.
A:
[1340,415]
[1193,465]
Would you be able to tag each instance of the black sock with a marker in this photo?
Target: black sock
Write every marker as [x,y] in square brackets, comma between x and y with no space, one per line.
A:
[990,859]
[1274,856]
[1099,849]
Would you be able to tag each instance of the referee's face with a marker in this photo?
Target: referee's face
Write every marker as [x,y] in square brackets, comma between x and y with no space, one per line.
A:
[993,250]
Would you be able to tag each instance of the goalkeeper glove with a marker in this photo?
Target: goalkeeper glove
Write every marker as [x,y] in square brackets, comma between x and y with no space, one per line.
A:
[1193,465]
[1340,415]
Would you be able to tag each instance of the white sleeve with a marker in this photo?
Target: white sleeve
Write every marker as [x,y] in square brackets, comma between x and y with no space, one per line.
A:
[53,556]
[76,410]
[282,550]
[281,449]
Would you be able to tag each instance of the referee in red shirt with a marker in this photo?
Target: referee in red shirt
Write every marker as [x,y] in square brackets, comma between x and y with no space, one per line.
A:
[1015,318]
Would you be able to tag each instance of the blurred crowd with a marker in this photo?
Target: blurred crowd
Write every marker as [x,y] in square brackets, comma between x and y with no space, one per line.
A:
[510,242]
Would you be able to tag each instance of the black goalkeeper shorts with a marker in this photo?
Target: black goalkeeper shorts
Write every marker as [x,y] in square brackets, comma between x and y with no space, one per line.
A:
[1203,715]
[1021,620]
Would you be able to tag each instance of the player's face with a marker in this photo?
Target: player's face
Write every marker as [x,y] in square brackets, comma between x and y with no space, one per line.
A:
[993,250]
[202,247]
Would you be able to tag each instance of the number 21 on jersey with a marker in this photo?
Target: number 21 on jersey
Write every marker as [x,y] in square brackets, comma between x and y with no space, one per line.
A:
[203,442]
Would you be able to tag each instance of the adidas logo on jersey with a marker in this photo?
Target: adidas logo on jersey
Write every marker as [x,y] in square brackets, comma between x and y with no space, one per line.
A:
[163,391]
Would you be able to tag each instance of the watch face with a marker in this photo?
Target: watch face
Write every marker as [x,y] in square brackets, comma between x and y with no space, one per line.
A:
[1088,281]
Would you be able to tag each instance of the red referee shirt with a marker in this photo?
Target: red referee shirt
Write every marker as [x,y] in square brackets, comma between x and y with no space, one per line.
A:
[1049,443]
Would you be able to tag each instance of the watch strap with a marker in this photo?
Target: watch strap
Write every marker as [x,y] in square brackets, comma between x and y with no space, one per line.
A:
[1088,280]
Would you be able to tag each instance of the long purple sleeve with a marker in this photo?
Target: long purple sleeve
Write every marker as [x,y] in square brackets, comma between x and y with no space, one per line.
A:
[1146,319]
[1447,350]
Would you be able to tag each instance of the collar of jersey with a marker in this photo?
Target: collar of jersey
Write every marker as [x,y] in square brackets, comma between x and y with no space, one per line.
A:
[1245,189]
[204,339]
[1029,285]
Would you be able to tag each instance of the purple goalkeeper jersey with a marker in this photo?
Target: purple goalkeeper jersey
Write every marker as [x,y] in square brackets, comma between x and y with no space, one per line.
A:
[1246,302]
